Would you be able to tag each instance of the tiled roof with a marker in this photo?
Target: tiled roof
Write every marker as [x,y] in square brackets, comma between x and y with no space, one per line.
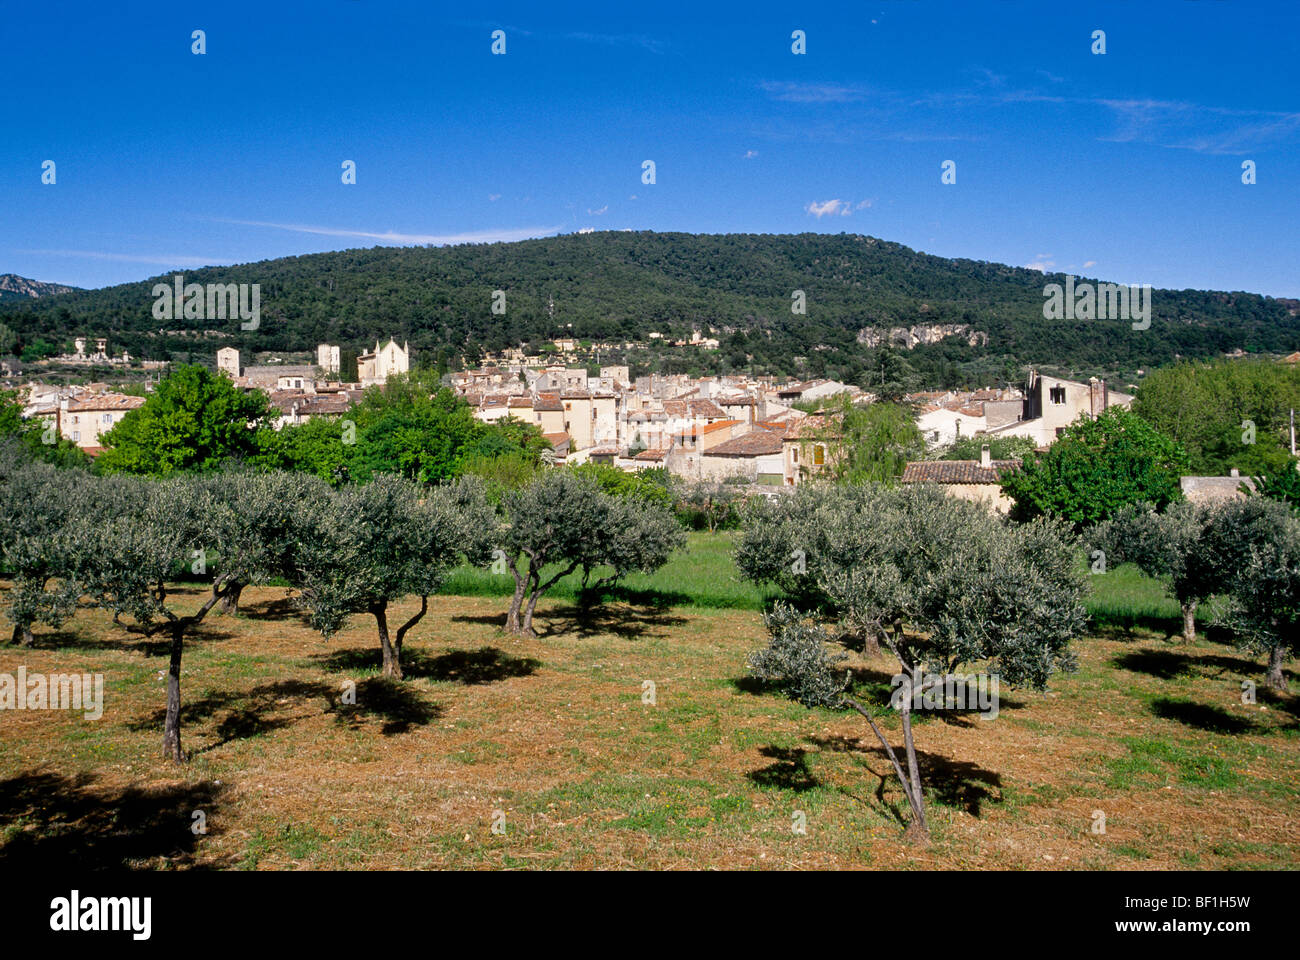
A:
[706,429]
[706,408]
[650,455]
[956,471]
[521,402]
[547,402]
[107,401]
[756,443]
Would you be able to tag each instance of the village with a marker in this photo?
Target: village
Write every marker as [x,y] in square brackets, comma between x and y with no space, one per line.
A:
[767,433]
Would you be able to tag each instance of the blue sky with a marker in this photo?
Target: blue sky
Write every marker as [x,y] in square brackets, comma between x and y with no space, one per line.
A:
[1125,166]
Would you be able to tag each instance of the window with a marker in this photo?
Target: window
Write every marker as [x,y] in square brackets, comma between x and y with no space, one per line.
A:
[819,454]
[794,454]
[106,418]
[76,435]
[1058,395]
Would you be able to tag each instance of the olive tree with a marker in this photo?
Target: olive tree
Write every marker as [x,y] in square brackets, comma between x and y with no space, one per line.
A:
[36,501]
[1260,541]
[266,516]
[124,552]
[939,582]
[564,521]
[1176,546]
[365,547]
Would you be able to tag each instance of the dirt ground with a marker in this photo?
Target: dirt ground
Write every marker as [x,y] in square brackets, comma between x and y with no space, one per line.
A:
[556,752]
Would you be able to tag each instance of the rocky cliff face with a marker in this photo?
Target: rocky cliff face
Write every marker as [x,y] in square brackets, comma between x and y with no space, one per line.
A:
[13,287]
[909,337]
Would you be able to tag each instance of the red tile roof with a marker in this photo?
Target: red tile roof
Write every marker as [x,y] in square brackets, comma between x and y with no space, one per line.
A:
[106,401]
[756,443]
[956,471]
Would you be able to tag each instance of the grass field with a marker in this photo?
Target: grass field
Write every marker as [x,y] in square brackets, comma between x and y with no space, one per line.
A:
[551,740]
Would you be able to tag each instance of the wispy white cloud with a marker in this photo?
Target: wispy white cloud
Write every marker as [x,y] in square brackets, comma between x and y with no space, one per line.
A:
[813,92]
[479,236]
[599,213]
[1042,262]
[620,40]
[166,259]
[750,154]
[494,197]
[1190,126]
[1089,263]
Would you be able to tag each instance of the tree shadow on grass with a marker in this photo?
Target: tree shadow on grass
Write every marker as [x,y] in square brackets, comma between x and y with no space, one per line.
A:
[950,783]
[48,818]
[159,645]
[622,620]
[470,667]
[280,608]
[1201,716]
[247,713]
[1168,664]
[789,772]
[398,705]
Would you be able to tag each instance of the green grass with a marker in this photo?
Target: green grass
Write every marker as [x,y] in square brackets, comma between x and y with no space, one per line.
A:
[701,575]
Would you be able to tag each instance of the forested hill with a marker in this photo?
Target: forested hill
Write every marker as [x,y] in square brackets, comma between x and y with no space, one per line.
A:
[624,285]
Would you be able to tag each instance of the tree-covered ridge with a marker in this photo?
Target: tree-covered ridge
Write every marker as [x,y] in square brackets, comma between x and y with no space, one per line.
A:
[616,286]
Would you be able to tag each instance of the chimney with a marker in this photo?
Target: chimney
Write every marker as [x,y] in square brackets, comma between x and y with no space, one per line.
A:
[986,460]
[1233,472]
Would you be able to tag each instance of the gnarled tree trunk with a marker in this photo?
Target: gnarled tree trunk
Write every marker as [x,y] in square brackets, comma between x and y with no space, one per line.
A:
[392,662]
[1189,621]
[230,602]
[23,634]
[172,724]
[1276,679]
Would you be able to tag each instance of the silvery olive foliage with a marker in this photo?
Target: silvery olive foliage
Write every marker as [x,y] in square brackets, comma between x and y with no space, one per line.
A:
[36,500]
[262,518]
[563,521]
[136,537]
[799,660]
[940,582]
[364,547]
[1263,580]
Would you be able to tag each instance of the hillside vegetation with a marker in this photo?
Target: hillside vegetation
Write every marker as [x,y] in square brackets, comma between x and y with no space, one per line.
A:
[618,286]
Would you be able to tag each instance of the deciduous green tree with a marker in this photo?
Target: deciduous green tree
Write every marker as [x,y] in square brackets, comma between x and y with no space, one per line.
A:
[194,420]
[1095,468]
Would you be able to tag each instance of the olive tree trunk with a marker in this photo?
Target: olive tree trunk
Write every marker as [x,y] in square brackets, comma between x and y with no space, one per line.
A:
[1276,679]
[1189,621]
[230,602]
[172,723]
[392,662]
